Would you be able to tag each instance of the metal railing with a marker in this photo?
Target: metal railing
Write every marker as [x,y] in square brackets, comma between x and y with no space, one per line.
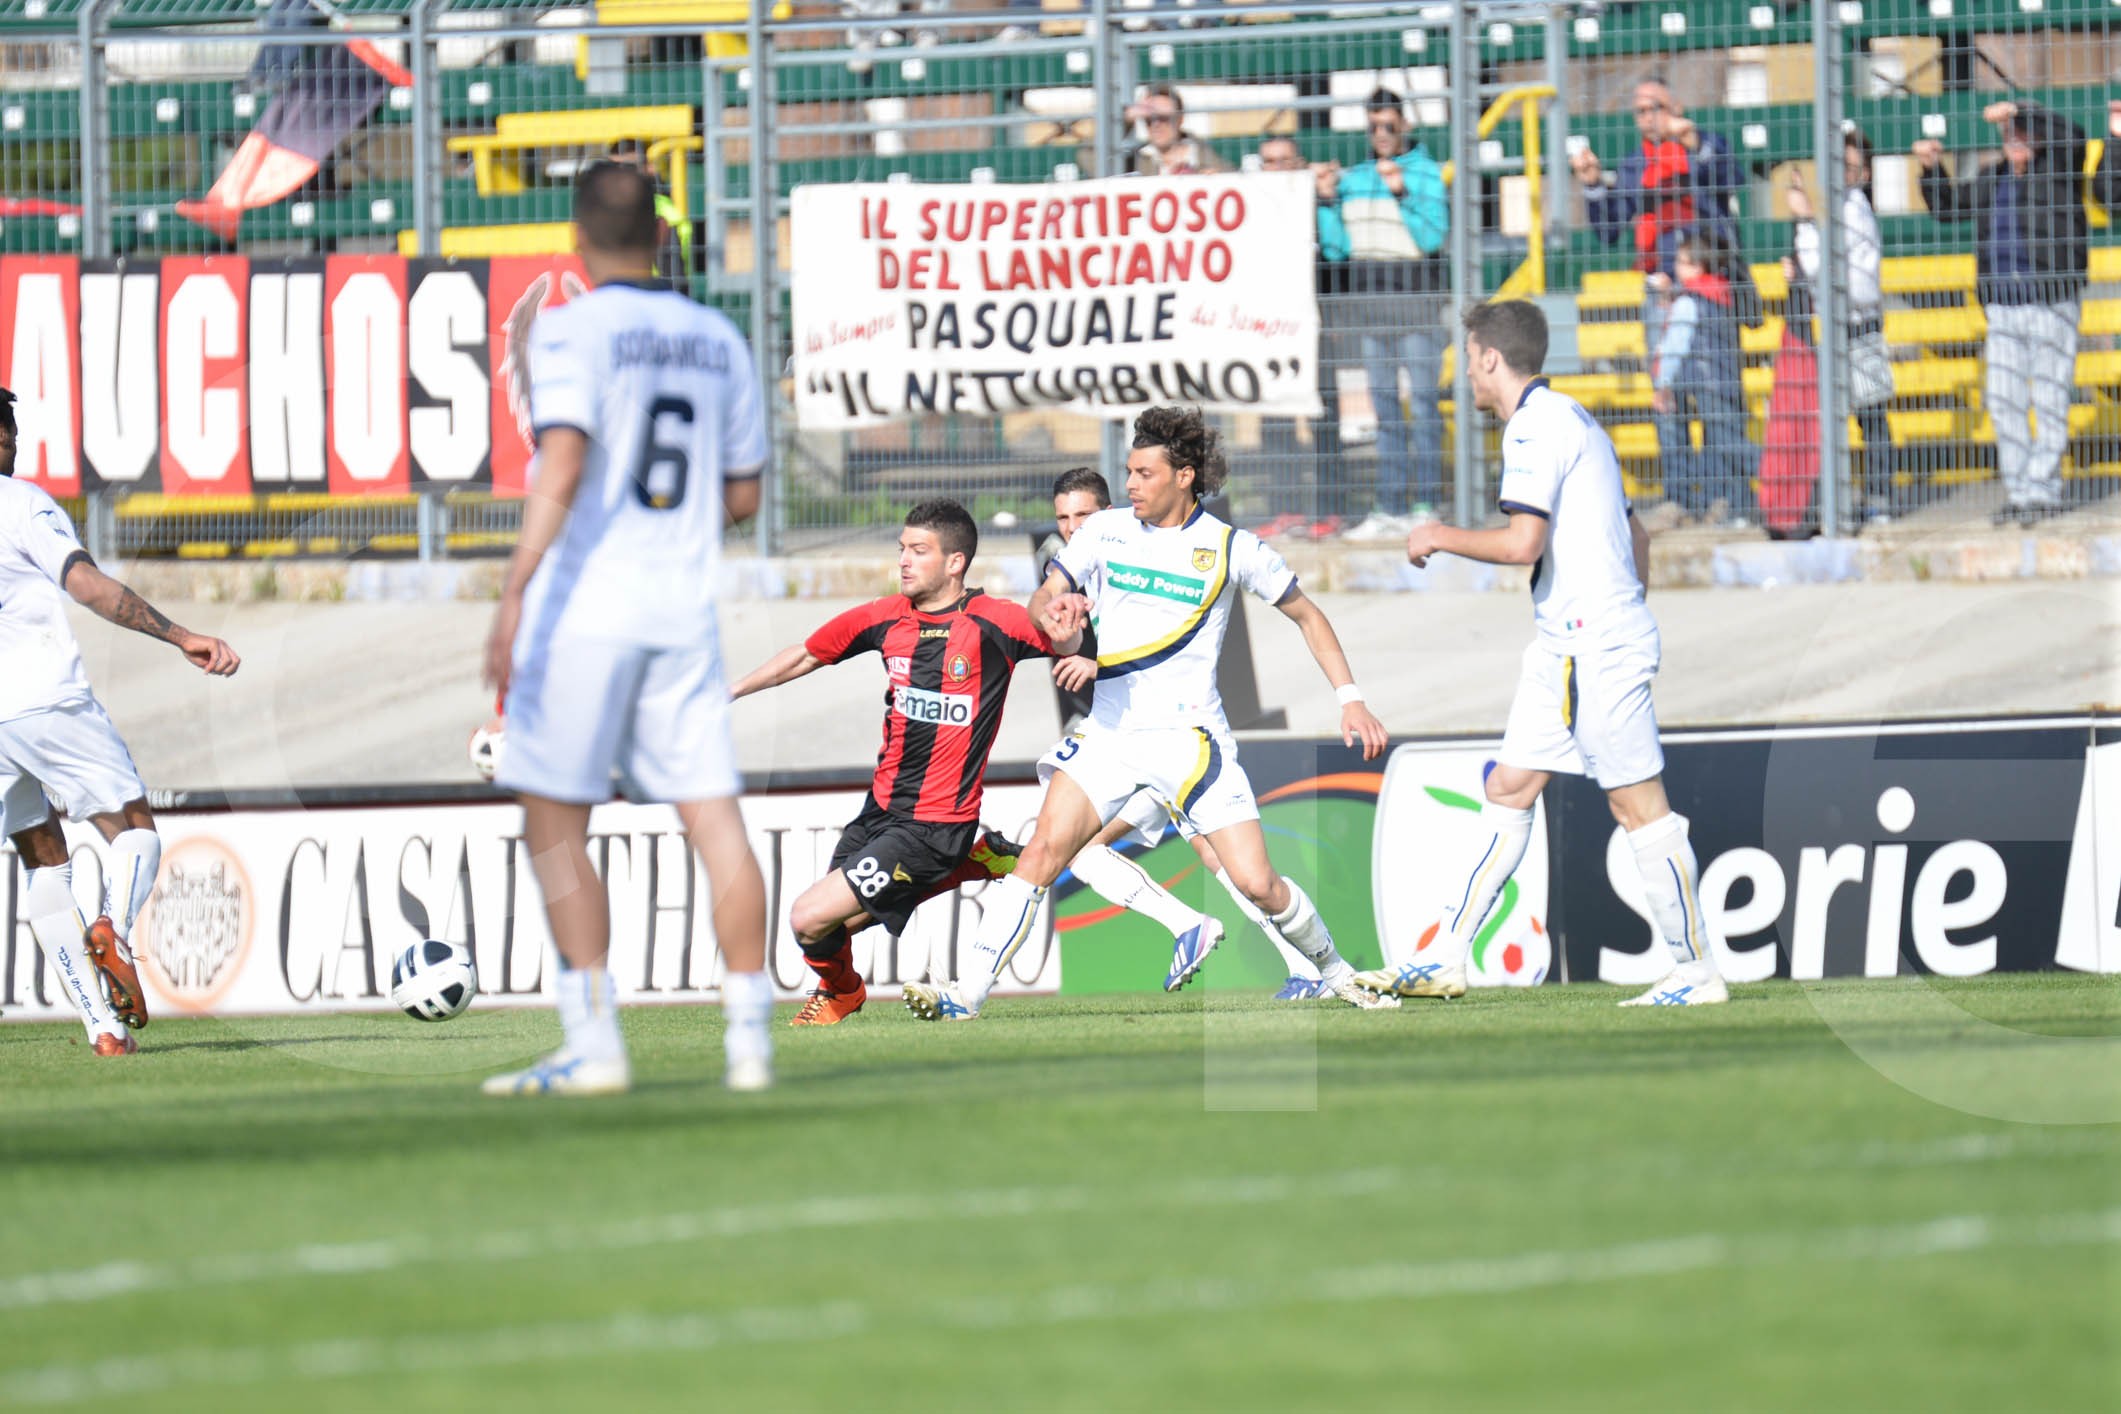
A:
[1879,376]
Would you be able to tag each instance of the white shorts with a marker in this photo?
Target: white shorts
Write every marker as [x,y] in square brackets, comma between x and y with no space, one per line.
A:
[74,753]
[1150,818]
[585,709]
[22,804]
[1587,714]
[1193,770]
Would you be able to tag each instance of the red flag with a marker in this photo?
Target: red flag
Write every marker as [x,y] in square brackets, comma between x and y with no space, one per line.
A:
[310,115]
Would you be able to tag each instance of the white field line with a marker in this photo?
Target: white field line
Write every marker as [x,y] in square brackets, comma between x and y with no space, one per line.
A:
[114,1279]
[110,1280]
[661,1333]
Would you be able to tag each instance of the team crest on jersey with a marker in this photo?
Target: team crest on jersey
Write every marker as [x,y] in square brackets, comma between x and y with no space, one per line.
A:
[1204,560]
[959,667]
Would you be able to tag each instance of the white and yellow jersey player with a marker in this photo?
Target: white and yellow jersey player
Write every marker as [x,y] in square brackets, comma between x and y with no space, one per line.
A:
[1077,496]
[1161,574]
[1583,703]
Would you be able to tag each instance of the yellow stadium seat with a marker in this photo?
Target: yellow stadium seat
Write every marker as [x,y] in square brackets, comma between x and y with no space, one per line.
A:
[1764,339]
[1926,274]
[1935,377]
[467,242]
[2100,316]
[1610,289]
[2106,264]
[678,12]
[1618,340]
[1770,280]
[2098,369]
[1936,326]
[1634,441]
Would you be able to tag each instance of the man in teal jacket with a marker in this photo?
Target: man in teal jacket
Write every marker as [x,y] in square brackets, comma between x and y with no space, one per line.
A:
[1381,229]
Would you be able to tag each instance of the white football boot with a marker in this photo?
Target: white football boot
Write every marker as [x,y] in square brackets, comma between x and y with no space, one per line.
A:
[1340,981]
[566,1073]
[749,1050]
[1689,984]
[1419,978]
[933,1003]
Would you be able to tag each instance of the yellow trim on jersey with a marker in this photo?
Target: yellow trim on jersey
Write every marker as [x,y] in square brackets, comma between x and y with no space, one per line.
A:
[1193,620]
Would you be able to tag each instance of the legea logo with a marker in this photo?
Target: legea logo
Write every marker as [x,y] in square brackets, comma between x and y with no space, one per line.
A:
[940,709]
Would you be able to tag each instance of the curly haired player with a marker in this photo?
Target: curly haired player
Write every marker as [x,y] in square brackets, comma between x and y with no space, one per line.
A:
[1162,574]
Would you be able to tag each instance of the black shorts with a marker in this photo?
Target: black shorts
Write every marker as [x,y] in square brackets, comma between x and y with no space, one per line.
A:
[893,862]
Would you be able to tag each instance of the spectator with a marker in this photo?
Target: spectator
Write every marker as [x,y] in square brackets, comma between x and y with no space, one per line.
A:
[1680,181]
[1381,229]
[1699,373]
[672,252]
[2106,182]
[1168,151]
[1870,370]
[1319,504]
[2030,245]
[865,39]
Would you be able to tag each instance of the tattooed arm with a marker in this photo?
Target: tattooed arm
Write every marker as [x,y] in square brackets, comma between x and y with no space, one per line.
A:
[96,591]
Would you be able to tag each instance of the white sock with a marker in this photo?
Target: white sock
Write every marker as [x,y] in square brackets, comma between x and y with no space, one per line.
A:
[135,856]
[1505,833]
[589,1012]
[1669,879]
[1297,963]
[1306,931]
[747,1005]
[1110,874]
[56,923]
[1003,927]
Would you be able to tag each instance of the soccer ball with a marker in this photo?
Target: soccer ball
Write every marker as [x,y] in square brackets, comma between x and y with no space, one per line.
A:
[486,744]
[434,981]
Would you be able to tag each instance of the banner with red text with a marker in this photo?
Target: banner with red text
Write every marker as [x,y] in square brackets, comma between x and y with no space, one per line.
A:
[1100,296]
[221,375]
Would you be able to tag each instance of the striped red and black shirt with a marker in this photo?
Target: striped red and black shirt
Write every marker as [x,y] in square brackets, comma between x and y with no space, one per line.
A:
[948,678]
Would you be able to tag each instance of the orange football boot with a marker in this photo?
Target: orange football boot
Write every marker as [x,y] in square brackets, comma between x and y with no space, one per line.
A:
[829,1008]
[115,962]
[120,1044]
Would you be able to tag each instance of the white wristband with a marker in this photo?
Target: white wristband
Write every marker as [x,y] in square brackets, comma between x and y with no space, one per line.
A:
[1350,693]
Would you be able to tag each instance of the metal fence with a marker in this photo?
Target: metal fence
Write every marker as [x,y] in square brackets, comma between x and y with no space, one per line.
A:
[1645,170]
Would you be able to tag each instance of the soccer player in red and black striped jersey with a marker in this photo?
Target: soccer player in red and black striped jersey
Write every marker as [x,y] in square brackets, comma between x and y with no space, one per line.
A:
[948,656]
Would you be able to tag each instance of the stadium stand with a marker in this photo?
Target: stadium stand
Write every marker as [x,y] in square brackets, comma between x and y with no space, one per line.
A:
[515,117]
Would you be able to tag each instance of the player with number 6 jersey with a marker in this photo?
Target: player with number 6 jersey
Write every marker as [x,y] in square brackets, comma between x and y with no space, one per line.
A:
[948,657]
[650,431]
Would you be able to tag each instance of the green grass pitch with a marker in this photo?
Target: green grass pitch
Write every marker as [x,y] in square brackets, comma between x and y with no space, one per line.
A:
[1518,1201]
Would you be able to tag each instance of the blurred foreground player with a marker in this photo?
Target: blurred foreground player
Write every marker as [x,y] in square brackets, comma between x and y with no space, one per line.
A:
[58,745]
[647,412]
[949,654]
[1583,704]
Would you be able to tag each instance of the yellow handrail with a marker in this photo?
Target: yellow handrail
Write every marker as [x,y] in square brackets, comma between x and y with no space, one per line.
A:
[679,174]
[1529,278]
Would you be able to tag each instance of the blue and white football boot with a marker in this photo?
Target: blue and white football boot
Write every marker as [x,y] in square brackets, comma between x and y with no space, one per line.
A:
[1423,977]
[1689,984]
[1190,949]
[566,1073]
[933,1003]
